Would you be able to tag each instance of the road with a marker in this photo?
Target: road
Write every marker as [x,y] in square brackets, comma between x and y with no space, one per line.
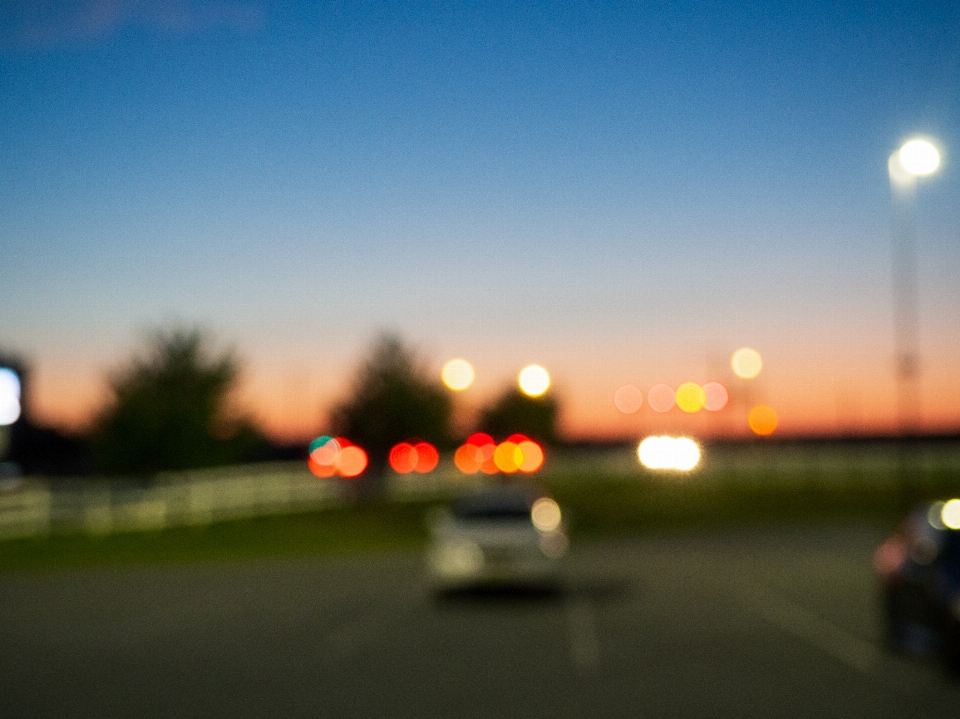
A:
[759,623]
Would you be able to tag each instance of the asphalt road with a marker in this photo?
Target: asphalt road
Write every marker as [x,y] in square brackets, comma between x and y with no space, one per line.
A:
[765,623]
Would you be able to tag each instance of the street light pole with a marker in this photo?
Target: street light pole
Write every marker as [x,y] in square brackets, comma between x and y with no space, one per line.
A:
[917,158]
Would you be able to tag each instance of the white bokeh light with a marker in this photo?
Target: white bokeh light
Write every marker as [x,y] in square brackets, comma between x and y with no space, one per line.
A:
[919,157]
[9,396]
[534,380]
[663,452]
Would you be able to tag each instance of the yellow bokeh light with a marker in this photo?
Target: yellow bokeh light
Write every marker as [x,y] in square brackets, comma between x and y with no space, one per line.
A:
[506,458]
[628,398]
[746,363]
[691,397]
[534,380]
[762,420]
[457,374]
[950,514]
[919,157]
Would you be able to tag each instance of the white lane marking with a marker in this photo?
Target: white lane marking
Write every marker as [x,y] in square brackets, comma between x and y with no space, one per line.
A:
[804,624]
[582,633]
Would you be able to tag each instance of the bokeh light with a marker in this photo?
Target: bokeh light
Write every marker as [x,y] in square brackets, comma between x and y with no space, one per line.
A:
[671,453]
[533,380]
[427,457]
[402,458]
[762,420]
[457,374]
[420,457]
[950,514]
[746,363]
[531,456]
[546,514]
[329,456]
[322,459]
[661,398]
[505,457]
[715,396]
[351,462]
[690,397]
[518,453]
[628,398]
[476,454]
[9,396]
[919,157]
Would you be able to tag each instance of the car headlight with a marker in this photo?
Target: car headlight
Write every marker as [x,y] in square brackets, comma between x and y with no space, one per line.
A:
[459,558]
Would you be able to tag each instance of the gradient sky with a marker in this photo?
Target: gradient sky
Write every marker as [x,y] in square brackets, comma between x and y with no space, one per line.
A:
[621,192]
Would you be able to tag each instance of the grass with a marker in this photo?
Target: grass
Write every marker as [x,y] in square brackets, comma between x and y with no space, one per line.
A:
[595,504]
[366,528]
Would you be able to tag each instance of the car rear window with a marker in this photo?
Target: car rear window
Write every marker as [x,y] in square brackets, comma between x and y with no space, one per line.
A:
[492,507]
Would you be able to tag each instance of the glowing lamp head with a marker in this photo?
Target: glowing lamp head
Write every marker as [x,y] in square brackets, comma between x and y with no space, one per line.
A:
[457,374]
[919,157]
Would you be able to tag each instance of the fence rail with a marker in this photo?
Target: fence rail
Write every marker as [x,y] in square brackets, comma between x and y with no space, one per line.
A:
[177,500]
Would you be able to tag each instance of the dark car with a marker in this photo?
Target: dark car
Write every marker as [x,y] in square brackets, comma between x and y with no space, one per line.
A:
[919,570]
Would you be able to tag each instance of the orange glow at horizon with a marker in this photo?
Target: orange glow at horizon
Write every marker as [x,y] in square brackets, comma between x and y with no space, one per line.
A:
[814,395]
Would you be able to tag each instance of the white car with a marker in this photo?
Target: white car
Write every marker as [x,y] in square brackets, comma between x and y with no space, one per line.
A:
[504,535]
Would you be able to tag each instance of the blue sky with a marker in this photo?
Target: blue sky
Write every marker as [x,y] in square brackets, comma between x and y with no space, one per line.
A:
[623,192]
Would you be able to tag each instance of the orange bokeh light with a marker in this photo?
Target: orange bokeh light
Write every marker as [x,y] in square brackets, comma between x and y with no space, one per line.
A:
[481,454]
[351,462]
[330,456]
[762,420]
[532,456]
[465,459]
[476,454]
[427,457]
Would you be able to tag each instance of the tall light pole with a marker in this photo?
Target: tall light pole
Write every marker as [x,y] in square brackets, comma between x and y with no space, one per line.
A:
[916,158]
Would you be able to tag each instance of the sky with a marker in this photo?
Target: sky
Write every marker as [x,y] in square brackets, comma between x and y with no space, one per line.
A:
[619,192]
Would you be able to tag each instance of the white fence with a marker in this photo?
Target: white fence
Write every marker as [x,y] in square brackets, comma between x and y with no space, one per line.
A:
[187,499]
[201,497]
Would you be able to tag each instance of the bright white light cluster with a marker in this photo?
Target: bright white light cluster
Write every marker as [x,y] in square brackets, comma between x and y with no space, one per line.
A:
[663,452]
[9,396]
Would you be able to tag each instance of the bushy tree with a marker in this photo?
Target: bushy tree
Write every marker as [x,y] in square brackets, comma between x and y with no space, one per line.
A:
[513,411]
[171,409]
[393,398]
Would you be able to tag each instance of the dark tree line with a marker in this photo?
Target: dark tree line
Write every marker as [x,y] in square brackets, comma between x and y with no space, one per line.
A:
[171,408]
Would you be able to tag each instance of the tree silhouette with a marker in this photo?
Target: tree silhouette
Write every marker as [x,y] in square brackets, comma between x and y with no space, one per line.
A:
[170,409]
[393,398]
[513,411]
